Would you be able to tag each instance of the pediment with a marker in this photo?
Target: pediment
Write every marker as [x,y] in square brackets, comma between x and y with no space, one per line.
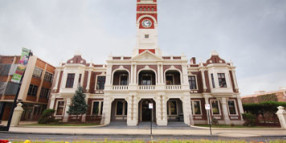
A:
[147,56]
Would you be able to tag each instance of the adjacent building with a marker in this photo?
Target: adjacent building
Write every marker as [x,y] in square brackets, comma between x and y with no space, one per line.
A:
[264,96]
[34,90]
[121,89]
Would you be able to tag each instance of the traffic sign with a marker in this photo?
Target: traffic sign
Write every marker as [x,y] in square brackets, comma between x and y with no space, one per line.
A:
[207,106]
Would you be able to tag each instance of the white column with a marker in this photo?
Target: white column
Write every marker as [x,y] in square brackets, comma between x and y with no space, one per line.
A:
[204,79]
[240,107]
[52,102]
[88,80]
[106,113]
[17,115]
[161,110]
[188,117]
[66,115]
[234,79]
[281,113]
[132,115]
[225,111]
[207,102]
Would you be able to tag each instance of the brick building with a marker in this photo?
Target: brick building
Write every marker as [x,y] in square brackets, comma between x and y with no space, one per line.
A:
[122,89]
[34,90]
[263,96]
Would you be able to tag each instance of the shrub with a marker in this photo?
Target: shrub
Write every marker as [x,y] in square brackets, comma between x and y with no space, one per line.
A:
[249,119]
[47,117]
[214,121]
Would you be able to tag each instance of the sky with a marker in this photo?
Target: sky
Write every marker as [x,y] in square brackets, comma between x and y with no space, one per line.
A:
[250,33]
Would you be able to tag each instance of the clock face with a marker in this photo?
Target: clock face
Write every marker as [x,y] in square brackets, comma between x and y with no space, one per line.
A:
[146,23]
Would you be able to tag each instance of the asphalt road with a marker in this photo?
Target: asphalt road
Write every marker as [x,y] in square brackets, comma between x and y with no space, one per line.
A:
[70,138]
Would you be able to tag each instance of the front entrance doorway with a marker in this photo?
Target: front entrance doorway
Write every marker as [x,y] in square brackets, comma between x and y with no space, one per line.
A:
[144,111]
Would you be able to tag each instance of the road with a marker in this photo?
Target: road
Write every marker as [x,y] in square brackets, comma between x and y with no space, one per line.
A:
[70,138]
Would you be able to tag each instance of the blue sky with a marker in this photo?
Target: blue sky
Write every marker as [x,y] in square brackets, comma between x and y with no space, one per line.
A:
[251,33]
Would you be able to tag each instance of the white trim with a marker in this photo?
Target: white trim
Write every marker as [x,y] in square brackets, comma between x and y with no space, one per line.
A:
[196,78]
[193,106]
[99,107]
[219,109]
[169,106]
[56,109]
[235,106]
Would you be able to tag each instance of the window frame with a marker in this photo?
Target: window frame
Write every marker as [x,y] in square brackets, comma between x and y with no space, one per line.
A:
[97,85]
[196,81]
[235,107]
[100,102]
[173,79]
[219,109]
[36,72]
[120,76]
[221,79]
[193,107]
[57,105]
[123,108]
[169,106]
[212,80]
[68,82]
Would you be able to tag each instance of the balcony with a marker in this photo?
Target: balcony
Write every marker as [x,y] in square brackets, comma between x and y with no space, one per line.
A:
[146,87]
[173,87]
[120,87]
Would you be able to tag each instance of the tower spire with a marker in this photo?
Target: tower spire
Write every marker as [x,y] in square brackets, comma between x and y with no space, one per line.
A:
[147,22]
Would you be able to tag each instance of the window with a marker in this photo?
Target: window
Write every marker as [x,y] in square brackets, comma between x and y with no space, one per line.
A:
[146,79]
[140,9]
[152,9]
[232,107]
[146,36]
[100,82]
[37,72]
[123,79]
[97,108]
[4,69]
[215,107]
[70,80]
[121,108]
[172,107]
[60,108]
[33,89]
[12,88]
[192,82]
[144,9]
[45,93]
[221,80]
[48,77]
[79,79]
[213,83]
[170,79]
[148,9]
[196,107]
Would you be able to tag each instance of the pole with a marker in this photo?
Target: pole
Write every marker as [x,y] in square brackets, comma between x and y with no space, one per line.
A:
[151,123]
[210,123]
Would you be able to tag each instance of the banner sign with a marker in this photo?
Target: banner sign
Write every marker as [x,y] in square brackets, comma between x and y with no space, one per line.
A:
[17,76]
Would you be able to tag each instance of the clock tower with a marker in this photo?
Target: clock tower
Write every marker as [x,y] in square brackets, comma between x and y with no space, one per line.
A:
[147,24]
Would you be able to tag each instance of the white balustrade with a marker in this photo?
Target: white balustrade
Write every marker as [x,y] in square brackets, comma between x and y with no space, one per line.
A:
[147,87]
[120,87]
[173,87]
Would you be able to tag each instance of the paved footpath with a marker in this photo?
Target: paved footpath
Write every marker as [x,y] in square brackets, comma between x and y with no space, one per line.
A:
[193,131]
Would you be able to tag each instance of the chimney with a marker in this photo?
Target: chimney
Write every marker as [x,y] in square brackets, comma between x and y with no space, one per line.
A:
[193,60]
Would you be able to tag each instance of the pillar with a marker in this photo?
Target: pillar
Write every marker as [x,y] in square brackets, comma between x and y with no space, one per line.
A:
[240,106]
[132,115]
[161,110]
[106,113]
[17,115]
[209,118]
[66,115]
[187,109]
[225,111]
[281,113]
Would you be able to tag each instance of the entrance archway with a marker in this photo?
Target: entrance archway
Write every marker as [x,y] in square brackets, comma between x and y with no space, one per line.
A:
[175,110]
[144,111]
[119,110]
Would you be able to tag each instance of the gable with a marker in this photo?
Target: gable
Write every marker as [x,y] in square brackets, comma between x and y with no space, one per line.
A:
[146,56]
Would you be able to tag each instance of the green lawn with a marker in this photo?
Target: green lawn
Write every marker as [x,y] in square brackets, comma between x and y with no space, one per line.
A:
[235,126]
[174,141]
[63,124]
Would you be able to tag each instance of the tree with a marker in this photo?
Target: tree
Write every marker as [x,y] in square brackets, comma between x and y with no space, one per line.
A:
[78,106]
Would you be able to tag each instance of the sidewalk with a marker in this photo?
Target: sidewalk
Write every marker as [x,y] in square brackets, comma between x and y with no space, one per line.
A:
[194,131]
